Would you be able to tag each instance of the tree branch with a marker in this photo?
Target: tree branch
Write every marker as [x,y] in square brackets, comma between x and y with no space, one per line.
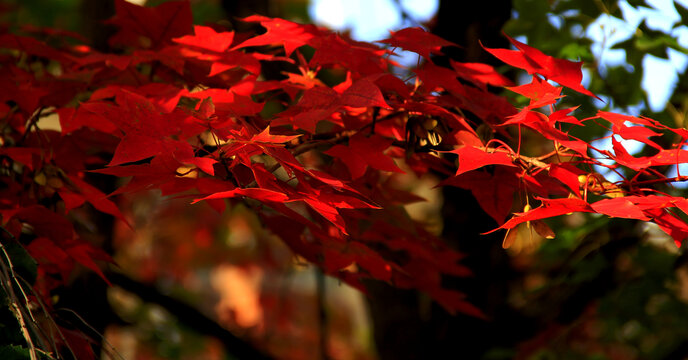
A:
[189,316]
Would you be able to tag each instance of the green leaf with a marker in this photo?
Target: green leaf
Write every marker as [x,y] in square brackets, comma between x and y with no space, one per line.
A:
[13,352]
[682,11]
[656,42]
[625,85]
[575,50]
[23,264]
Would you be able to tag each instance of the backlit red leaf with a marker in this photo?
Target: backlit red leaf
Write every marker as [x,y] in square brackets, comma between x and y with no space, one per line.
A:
[471,158]
[362,152]
[565,72]
[279,31]
[205,37]
[619,207]
[417,40]
[480,74]
[549,208]
[134,147]
[254,193]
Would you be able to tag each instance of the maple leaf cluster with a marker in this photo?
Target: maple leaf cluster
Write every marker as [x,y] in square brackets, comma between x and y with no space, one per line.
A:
[189,111]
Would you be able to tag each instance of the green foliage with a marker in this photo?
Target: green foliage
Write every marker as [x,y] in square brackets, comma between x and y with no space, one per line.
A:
[63,14]
[13,352]
[620,85]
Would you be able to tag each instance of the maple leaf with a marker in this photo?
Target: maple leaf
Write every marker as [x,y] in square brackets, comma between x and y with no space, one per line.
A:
[303,81]
[568,175]
[363,93]
[135,147]
[254,193]
[471,158]
[206,38]
[658,202]
[361,58]
[480,74]
[319,103]
[549,208]
[624,158]
[22,155]
[539,92]
[562,115]
[670,224]
[279,31]
[638,133]
[32,46]
[18,86]
[228,102]
[619,207]
[362,152]
[267,138]
[150,27]
[45,251]
[184,111]
[494,192]
[85,254]
[161,170]
[46,223]
[96,198]
[91,57]
[440,78]
[565,72]
[417,40]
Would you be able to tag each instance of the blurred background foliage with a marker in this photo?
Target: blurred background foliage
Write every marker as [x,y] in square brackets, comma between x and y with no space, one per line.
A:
[603,289]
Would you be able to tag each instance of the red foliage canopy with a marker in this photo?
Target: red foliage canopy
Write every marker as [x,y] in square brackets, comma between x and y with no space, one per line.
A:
[185,110]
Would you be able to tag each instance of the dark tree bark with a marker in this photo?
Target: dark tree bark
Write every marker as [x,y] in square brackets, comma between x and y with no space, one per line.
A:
[237,9]
[403,329]
[94,12]
[469,23]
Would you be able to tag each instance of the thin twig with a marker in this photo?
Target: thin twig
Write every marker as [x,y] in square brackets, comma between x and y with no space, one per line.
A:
[50,318]
[102,337]
[14,302]
[33,119]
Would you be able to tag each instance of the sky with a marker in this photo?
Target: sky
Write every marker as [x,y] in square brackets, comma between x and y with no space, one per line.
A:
[660,75]
[370,20]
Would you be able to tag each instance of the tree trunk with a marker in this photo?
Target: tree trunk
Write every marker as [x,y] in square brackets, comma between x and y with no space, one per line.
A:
[403,329]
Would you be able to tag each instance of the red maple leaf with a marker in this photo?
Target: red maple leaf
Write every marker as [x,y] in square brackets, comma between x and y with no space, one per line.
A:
[619,207]
[267,138]
[480,74]
[135,147]
[549,208]
[565,72]
[494,192]
[417,40]
[471,158]
[228,102]
[150,27]
[254,193]
[639,133]
[362,152]
[33,47]
[205,37]
[539,92]
[279,31]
